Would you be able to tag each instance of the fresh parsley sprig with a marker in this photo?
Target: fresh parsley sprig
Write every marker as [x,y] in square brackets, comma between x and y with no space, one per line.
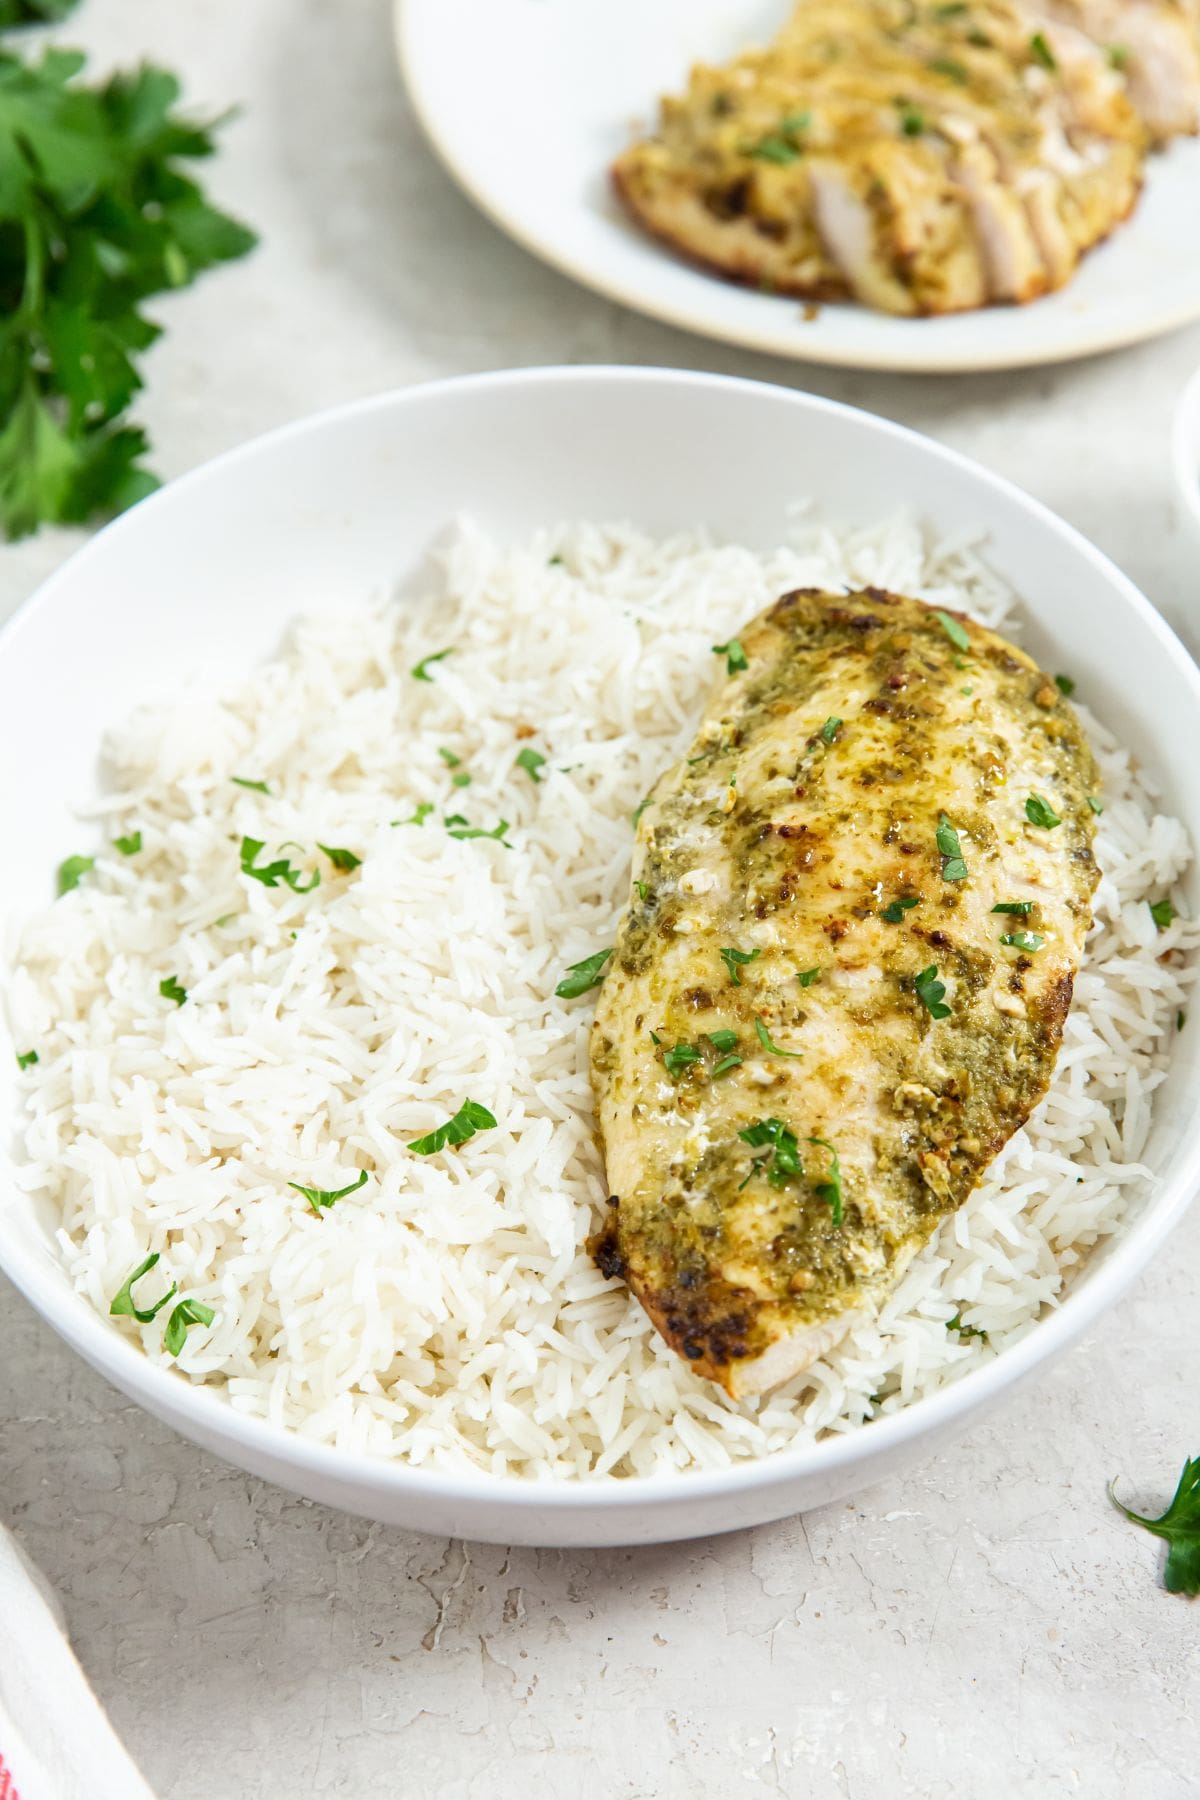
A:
[1180,1526]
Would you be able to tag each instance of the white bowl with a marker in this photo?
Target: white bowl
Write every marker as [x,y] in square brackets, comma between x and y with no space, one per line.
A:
[204,577]
[1185,449]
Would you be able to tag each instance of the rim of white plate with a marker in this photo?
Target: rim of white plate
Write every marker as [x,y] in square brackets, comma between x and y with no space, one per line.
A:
[113,1355]
[773,342]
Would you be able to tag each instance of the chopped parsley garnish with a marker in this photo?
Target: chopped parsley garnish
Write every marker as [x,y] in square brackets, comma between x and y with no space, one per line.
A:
[640,808]
[894,912]
[420,671]
[1023,940]
[735,656]
[830,729]
[1095,805]
[764,1038]
[677,1059]
[272,873]
[424,808]
[1065,685]
[952,9]
[128,846]
[125,1306]
[71,872]
[722,1040]
[782,1159]
[1041,52]
[732,1061]
[641,890]
[170,989]
[256,787]
[470,1118]
[831,1188]
[583,975]
[797,121]
[1040,812]
[448,757]
[556,562]
[342,860]
[949,625]
[1180,1526]
[1118,56]
[806,977]
[953,868]
[774,148]
[932,993]
[967,1331]
[187,1313]
[531,761]
[912,120]
[26,1059]
[457,827]
[1022,908]
[951,67]
[325,1197]
[1162,912]
[736,960]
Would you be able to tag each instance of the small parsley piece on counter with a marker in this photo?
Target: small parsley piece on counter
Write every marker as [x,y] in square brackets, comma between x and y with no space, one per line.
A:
[764,1038]
[949,625]
[1022,908]
[420,671]
[188,1312]
[967,1331]
[271,874]
[830,1189]
[953,868]
[1180,1526]
[830,729]
[583,975]
[424,808]
[680,1057]
[1162,912]
[26,1059]
[531,761]
[125,1306]
[735,656]
[894,912]
[932,993]
[782,1160]
[1065,685]
[170,989]
[1040,812]
[735,961]
[128,846]
[325,1197]
[1041,52]
[806,977]
[470,1118]
[256,787]
[457,827]
[1023,940]
[342,860]
[1095,805]
[723,1040]
[72,871]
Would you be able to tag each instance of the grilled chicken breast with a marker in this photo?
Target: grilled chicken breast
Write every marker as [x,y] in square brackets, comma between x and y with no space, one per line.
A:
[1155,44]
[922,158]
[858,907]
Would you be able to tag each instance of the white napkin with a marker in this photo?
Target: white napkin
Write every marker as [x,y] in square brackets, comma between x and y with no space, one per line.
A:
[55,1740]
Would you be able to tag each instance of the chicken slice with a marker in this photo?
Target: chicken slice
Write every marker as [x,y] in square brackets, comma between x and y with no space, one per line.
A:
[817,1029]
[1155,44]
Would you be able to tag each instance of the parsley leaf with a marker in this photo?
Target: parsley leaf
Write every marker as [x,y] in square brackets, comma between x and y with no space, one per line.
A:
[806,977]
[950,625]
[932,993]
[1040,812]
[732,1061]
[424,808]
[894,912]
[782,1161]
[128,846]
[33,12]
[1180,1526]
[449,758]
[736,960]
[1095,805]
[470,1118]
[953,868]
[966,1331]
[188,1312]
[831,1188]
[1022,908]
[342,860]
[256,787]
[774,148]
[912,120]
[170,989]
[26,1059]
[1023,940]
[96,216]
[830,729]
[420,671]
[271,874]
[722,1040]
[583,975]
[950,67]
[1041,52]
[457,827]
[531,761]
[735,656]
[125,1306]
[319,1197]
[1162,912]
[1065,685]
[764,1038]
[72,871]
[680,1057]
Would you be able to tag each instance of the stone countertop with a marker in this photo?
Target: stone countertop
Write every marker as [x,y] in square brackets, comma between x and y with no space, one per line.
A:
[986,1627]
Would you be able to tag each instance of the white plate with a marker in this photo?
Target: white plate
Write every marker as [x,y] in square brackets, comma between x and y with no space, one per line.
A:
[203,578]
[528,101]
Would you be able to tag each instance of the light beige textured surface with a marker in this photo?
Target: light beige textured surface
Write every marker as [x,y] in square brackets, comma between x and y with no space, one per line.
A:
[987,1628]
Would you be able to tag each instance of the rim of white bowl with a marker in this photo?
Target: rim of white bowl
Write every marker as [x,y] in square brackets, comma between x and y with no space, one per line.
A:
[167,1393]
[1185,447]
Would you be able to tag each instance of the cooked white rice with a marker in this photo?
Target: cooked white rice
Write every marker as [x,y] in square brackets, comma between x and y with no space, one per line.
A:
[447,1312]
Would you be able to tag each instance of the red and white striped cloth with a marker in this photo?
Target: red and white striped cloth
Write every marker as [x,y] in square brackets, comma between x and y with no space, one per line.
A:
[55,1739]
